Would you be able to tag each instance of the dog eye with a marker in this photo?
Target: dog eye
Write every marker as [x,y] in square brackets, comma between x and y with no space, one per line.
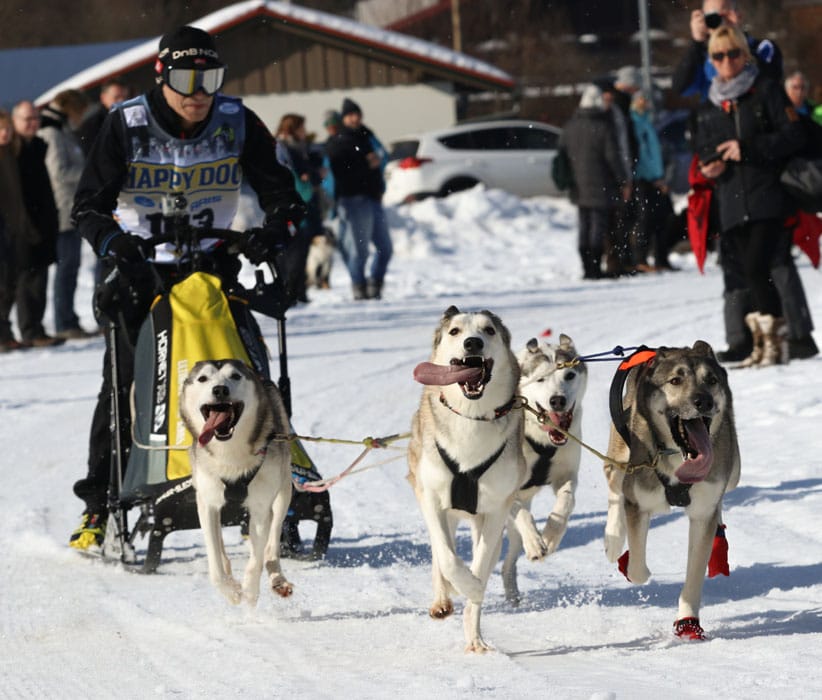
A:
[236,376]
[454,331]
[491,330]
[202,378]
[676,381]
[711,380]
[569,376]
[540,380]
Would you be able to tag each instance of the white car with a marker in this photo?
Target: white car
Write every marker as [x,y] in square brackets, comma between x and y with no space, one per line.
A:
[513,155]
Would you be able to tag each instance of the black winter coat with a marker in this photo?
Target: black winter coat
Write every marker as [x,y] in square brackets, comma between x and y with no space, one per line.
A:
[41,250]
[353,176]
[769,131]
[590,141]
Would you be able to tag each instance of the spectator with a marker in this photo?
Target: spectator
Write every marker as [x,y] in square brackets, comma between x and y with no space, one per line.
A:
[293,152]
[113,91]
[64,161]
[797,87]
[184,118]
[356,162]
[653,203]
[332,122]
[590,141]
[693,76]
[746,115]
[36,246]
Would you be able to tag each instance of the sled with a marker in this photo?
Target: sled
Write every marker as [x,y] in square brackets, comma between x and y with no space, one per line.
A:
[195,319]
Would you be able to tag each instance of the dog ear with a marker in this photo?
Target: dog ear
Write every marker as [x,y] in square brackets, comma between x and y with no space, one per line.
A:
[565,342]
[532,346]
[450,312]
[703,348]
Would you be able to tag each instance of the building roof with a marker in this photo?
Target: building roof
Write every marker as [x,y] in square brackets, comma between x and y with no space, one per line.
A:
[439,60]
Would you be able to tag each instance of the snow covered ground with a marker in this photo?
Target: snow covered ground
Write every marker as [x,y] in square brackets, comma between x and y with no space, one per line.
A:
[357,625]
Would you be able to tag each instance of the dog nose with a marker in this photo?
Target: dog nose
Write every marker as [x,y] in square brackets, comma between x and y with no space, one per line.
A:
[473,345]
[558,402]
[220,392]
[704,402]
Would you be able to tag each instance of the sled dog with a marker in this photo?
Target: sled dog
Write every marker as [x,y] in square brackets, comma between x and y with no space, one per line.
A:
[231,414]
[553,381]
[465,455]
[320,257]
[677,407]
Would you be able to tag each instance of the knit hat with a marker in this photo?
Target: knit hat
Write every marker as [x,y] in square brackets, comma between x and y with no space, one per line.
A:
[591,98]
[349,107]
[332,118]
[628,76]
[188,47]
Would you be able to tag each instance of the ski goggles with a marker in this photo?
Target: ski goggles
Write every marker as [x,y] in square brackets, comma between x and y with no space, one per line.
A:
[187,81]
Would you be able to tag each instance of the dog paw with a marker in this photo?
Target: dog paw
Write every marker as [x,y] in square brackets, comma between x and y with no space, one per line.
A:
[232,590]
[281,587]
[613,546]
[535,547]
[553,532]
[441,609]
[478,646]
[638,573]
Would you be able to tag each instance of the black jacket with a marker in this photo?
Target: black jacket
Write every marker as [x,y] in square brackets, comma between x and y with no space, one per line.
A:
[39,200]
[107,168]
[589,139]
[347,153]
[769,131]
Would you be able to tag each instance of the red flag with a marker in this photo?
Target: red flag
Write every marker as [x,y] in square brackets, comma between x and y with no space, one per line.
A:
[699,205]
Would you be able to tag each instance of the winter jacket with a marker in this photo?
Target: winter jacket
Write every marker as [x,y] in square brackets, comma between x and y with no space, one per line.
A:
[769,131]
[107,169]
[649,165]
[40,248]
[589,139]
[347,154]
[64,161]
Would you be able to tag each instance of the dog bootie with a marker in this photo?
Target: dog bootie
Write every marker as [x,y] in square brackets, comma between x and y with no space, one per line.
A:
[688,628]
[90,532]
[718,563]
[622,563]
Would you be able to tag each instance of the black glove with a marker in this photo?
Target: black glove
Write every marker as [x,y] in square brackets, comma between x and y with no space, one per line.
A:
[263,244]
[125,248]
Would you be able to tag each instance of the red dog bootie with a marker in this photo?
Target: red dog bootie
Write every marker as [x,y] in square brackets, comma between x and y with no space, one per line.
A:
[688,629]
[718,563]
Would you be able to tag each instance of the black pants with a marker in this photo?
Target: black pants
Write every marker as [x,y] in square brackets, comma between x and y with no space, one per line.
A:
[593,229]
[651,231]
[27,290]
[758,246]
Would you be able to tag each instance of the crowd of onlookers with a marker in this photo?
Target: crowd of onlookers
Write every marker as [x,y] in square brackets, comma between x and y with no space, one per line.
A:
[749,121]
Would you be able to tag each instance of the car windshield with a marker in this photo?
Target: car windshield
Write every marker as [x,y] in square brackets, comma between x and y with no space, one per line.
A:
[403,149]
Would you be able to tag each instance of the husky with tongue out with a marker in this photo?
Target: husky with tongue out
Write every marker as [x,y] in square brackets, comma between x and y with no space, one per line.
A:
[553,381]
[675,428]
[465,455]
[232,417]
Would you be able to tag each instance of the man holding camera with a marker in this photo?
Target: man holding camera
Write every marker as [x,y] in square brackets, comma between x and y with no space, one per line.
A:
[185,141]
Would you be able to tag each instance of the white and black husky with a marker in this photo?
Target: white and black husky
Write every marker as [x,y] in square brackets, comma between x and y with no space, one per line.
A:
[465,456]
[553,381]
[232,416]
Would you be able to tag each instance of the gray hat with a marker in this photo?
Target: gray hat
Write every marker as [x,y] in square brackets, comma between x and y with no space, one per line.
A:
[628,76]
[592,98]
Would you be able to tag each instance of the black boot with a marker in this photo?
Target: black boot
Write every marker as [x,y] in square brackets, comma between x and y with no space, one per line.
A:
[373,289]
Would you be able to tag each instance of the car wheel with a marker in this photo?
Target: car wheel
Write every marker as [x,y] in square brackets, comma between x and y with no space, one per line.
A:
[458,184]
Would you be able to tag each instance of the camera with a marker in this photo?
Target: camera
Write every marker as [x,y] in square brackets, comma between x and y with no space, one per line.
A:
[713,20]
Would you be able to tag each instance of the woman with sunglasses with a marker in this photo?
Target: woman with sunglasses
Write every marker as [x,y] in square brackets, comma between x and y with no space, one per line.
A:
[743,136]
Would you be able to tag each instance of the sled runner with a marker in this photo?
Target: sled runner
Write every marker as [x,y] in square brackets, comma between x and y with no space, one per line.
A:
[194,319]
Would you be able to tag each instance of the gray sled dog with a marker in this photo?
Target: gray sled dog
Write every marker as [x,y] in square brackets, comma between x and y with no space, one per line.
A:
[554,384]
[465,456]
[231,414]
[677,407]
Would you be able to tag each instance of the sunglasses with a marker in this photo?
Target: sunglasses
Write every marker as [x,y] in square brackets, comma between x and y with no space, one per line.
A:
[713,20]
[188,81]
[732,55]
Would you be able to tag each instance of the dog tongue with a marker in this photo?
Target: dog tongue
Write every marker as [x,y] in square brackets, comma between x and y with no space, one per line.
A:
[440,375]
[694,470]
[214,421]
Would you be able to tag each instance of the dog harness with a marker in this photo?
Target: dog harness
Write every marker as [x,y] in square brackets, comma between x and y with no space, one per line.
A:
[542,467]
[465,485]
[499,412]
